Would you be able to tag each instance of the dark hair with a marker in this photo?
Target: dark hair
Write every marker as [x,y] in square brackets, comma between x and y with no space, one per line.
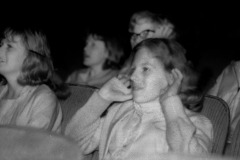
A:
[172,55]
[114,44]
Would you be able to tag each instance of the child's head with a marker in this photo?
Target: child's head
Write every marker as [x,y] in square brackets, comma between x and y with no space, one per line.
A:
[145,24]
[31,47]
[104,50]
[152,64]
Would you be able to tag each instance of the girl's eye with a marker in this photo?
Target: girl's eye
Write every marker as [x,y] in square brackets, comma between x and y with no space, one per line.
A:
[9,46]
[2,43]
[145,69]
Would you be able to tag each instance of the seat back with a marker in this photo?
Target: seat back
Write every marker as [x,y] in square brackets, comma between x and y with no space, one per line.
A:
[19,142]
[79,96]
[217,111]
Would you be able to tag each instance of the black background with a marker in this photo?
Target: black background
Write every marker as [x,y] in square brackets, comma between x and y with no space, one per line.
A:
[209,32]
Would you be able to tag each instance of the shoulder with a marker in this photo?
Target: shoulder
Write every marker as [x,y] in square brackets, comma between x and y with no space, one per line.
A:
[80,71]
[120,108]
[114,71]
[76,73]
[231,66]
[43,92]
[43,89]
[199,120]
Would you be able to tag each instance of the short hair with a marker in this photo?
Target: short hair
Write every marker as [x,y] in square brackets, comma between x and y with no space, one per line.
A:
[172,55]
[114,44]
[37,67]
[156,18]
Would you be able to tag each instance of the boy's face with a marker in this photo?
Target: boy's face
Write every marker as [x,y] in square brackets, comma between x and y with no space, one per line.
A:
[95,52]
[12,55]
[149,78]
[142,29]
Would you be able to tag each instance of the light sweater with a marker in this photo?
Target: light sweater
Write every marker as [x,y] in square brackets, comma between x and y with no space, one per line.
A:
[82,77]
[37,106]
[130,131]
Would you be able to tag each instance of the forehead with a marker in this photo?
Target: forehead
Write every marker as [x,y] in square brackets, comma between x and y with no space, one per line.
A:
[141,25]
[144,56]
[14,39]
[94,38]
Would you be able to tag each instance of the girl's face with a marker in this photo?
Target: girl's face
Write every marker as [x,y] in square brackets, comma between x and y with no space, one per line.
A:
[12,55]
[142,29]
[95,52]
[149,78]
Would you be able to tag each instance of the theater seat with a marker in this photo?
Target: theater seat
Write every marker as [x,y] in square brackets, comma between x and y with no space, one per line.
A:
[217,111]
[79,96]
[25,143]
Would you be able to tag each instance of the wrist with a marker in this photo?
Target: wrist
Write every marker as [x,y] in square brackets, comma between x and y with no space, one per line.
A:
[102,97]
[172,106]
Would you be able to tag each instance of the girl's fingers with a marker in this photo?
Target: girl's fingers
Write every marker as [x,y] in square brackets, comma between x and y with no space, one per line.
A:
[178,74]
[121,87]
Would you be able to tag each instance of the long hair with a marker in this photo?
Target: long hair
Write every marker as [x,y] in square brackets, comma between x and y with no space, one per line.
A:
[37,67]
[172,55]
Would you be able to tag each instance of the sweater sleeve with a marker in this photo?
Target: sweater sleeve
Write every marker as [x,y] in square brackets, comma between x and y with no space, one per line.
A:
[44,107]
[186,133]
[86,125]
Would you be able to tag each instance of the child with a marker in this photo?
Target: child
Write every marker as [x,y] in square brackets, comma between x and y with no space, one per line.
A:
[26,66]
[103,54]
[227,87]
[145,24]
[149,118]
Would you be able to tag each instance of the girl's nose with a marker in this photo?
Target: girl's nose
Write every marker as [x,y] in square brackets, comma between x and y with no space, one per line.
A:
[1,50]
[133,75]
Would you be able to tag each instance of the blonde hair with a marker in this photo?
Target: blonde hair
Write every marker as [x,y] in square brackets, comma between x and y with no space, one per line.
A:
[172,55]
[154,18]
[37,67]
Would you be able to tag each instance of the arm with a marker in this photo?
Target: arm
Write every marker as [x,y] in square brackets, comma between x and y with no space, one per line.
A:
[182,133]
[113,90]
[45,108]
[85,126]
[185,134]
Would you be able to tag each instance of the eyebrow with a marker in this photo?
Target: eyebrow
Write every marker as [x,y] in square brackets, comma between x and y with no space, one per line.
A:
[146,64]
[9,40]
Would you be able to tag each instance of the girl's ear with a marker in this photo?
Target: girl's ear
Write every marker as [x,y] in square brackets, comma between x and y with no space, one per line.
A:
[107,54]
[170,77]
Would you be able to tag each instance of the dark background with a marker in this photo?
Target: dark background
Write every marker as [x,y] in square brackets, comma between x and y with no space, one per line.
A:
[209,32]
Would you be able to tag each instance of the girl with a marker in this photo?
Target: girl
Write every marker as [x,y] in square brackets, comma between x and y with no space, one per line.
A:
[154,121]
[26,66]
[103,54]
[145,24]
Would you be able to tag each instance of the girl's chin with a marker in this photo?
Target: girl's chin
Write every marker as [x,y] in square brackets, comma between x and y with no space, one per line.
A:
[139,99]
[144,99]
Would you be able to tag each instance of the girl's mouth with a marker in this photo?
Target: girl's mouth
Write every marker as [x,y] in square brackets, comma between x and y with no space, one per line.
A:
[136,87]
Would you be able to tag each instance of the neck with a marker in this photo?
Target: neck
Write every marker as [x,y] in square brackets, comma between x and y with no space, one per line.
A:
[148,104]
[96,70]
[14,89]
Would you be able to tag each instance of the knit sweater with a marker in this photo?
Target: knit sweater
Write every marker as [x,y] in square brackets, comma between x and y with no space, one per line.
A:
[37,106]
[130,131]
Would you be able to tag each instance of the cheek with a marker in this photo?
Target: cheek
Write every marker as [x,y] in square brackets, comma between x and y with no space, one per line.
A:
[158,86]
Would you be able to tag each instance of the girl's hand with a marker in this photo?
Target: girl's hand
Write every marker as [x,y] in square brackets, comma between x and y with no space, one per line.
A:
[116,89]
[165,31]
[174,86]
